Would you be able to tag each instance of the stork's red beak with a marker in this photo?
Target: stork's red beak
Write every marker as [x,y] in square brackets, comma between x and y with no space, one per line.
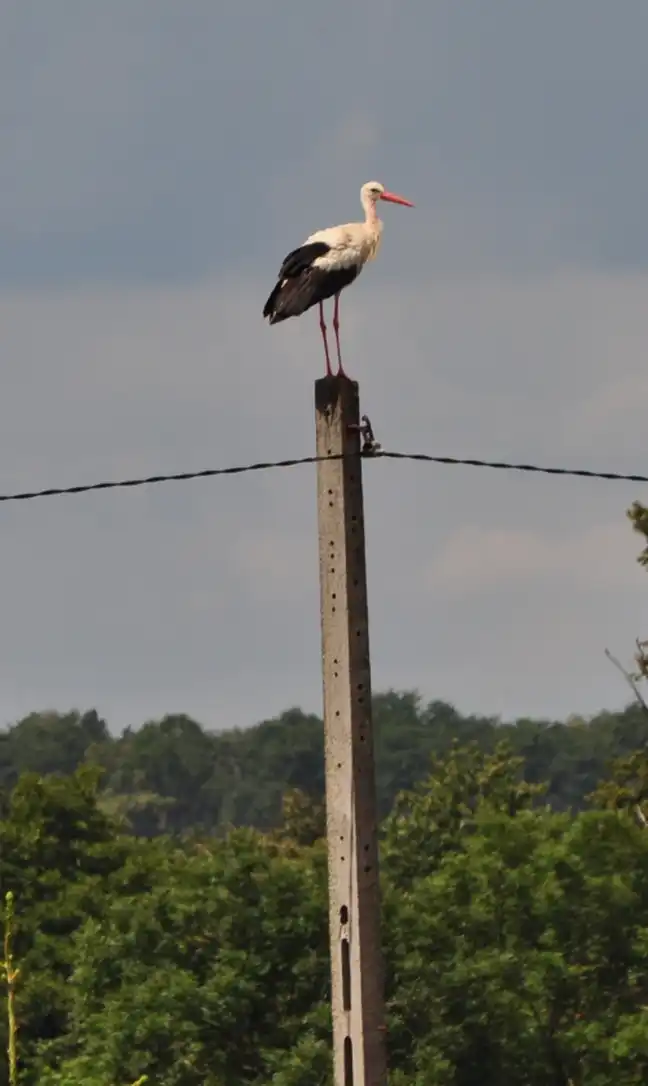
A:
[392,198]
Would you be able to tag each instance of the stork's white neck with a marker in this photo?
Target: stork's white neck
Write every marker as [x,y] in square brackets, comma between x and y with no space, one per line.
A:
[374,225]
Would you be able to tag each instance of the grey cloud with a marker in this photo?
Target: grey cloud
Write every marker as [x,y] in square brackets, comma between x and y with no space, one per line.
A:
[157,142]
[136,145]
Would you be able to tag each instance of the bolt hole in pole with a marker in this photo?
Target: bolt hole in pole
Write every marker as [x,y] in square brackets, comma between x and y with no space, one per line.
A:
[348,1062]
[346,975]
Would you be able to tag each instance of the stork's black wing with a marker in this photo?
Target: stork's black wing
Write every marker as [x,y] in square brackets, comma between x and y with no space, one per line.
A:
[301,259]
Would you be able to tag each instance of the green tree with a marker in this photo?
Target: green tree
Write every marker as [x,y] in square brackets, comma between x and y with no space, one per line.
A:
[172,776]
[522,959]
[219,975]
[49,743]
[626,789]
[59,857]
[515,937]
[439,814]
[304,819]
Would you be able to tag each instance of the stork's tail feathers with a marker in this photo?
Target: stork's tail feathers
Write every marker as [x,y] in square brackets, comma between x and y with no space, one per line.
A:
[290,298]
[294,290]
[271,308]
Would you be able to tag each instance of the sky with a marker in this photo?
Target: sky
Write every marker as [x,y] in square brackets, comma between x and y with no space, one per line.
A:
[158,161]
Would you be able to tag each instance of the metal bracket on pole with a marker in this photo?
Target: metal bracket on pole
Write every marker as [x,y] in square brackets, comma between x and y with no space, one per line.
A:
[369,444]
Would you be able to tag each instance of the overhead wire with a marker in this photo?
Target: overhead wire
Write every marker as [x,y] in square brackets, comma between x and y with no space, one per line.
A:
[242,469]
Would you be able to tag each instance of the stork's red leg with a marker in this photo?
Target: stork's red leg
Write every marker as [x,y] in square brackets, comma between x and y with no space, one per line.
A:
[329,371]
[336,329]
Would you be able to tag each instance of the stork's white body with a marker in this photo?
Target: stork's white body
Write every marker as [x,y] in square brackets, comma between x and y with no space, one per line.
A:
[352,244]
[327,262]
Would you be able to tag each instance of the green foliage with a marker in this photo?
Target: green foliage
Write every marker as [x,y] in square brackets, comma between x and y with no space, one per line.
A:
[59,857]
[638,516]
[49,743]
[173,777]
[627,787]
[524,957]
[209,975]
[515,936]
[437,816]
[303,819]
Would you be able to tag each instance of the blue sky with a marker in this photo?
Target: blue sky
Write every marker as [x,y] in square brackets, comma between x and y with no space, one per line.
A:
[158,160]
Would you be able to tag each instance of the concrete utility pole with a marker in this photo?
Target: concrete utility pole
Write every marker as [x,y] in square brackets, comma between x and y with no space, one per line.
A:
[352,830]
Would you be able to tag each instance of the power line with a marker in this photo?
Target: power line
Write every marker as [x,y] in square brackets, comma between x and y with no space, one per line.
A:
[185,476]
[177,477]
[502,465]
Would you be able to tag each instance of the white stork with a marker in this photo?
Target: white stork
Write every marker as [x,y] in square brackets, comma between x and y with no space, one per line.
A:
[327,262]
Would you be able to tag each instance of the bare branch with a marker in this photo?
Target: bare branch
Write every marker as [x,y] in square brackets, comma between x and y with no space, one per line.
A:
[629,679]
[642,658]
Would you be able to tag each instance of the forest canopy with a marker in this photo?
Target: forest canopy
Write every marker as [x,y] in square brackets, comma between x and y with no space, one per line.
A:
[515,935]
[171,775]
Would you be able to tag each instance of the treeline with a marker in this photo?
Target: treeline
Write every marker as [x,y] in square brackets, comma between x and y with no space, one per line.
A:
[172,775]
[515,937]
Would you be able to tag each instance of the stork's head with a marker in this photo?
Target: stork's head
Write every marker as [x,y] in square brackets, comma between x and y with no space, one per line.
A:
[373,191]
